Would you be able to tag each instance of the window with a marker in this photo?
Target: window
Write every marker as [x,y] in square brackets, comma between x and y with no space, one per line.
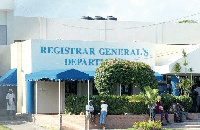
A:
[126,89]
[71,87]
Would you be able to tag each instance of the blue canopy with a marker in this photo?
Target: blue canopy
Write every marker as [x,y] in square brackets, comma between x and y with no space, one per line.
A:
[9,78]
[158,76]
[71,74]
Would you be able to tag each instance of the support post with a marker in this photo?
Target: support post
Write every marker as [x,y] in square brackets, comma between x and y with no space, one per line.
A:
[36,98]
[59,109]
[88,102]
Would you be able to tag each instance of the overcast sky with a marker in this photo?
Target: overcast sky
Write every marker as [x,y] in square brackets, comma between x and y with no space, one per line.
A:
[124,10]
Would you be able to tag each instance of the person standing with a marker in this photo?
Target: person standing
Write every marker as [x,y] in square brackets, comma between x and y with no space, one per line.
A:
[104,107]
[10,97]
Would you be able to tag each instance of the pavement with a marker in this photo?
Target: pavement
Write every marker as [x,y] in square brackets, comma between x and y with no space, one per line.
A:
[20,123]
[24,123]
[186,125]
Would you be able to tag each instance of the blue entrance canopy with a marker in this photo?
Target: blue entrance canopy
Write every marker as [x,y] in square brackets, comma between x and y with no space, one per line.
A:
[9,78]
[158,76]
[71,74]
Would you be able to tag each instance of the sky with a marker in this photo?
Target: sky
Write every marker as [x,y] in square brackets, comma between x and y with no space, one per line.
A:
[123,10]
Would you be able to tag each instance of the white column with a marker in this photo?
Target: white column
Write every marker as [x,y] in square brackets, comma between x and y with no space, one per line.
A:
[88,102]
[59,107]
[36,100]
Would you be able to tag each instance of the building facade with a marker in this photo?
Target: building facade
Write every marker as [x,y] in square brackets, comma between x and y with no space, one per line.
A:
[36,44]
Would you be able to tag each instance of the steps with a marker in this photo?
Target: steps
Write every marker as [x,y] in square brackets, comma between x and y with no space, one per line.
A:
[188,124]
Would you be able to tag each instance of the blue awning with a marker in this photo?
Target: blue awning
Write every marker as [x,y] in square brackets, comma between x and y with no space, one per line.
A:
[158,76]
[9,78]
[71,74]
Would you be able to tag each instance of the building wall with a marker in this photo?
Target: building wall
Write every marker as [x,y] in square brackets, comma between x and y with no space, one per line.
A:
[13,51]
[192,60]
[5,62]
[7,5]
[58,54]
[96,30]
[6,28]
[48,97]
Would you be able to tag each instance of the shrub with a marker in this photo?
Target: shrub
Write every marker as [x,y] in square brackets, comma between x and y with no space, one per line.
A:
[147,125]
[125,72]
[117,105]
[185,101]
[168,100]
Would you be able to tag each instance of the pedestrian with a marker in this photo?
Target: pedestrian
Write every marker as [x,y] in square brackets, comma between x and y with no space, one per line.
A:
[91,110]
[160,110]
[103,115]
[10,97]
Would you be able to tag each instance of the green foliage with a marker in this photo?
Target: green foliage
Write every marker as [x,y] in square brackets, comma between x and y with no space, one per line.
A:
[147,125]
[117,105]
[187,21]
[190,70]
[2,127]
[184,86]
[150,97]
[176,68]
[185,101]
[168,100]
[124,72]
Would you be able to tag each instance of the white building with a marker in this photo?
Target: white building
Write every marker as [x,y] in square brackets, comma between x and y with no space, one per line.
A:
[37,44]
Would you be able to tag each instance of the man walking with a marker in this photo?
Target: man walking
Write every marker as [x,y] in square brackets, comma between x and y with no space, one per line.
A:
[10,97]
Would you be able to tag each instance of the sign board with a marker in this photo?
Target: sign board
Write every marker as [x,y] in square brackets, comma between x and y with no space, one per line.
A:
[86,55]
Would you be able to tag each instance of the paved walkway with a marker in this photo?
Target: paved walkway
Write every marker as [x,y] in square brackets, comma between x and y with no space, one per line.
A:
[186,125]
[19,124]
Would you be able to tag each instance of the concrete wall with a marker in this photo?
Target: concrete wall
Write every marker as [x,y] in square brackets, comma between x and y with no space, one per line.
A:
[6,22]
[192,60]
[7,5]
[93,30]
[5,61]
[52,57]
[48,97]
[13,51]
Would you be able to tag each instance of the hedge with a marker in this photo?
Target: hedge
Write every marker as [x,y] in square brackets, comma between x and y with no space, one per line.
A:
[168,100]
[118,105]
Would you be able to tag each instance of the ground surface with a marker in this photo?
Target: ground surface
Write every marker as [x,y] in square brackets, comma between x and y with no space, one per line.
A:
[22,124]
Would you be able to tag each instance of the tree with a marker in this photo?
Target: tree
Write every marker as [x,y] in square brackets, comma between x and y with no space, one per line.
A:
[184,86]
[176,68]
[124,72]
[184,58]
[150,97]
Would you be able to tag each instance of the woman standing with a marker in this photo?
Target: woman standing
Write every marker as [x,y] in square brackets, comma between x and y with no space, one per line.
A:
[104,107]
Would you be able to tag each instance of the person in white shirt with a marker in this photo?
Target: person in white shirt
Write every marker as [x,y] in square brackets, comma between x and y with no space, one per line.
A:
[10,97]
[91,110]
[104,107]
